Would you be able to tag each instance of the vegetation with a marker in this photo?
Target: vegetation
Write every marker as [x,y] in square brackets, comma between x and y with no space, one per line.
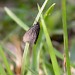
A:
[50,54]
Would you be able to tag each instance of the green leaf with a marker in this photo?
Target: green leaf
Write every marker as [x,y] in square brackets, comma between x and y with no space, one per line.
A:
[49,11]
[16,19]
[40,11]
[5,61]
[39,44]
[50,48]
[24,63]
[2,72]
[66,48]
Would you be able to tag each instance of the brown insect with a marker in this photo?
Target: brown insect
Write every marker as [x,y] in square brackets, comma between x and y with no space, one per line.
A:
[31,35]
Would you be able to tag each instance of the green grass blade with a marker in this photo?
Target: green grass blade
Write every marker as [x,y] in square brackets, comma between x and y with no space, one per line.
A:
[36,51]
[5,61]
[40,11]
[45,69]
[45,15]
[24,58]
[58,54]
[49,11]
[16,19]
[31,71]
[66,49]
[36,56]
[38,46]
[2,72]
[51,49]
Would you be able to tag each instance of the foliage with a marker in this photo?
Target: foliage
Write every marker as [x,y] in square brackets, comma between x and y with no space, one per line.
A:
[45,50]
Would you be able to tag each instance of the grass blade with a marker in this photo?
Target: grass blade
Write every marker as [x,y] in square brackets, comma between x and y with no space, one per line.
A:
[24,58]
[50,9]
[45,15]
[2,72]
[38,46]
[36,56]
[58,54]
[40,11]
[45,69]
[66,49]
[5,61]
[16,19]
[51,49]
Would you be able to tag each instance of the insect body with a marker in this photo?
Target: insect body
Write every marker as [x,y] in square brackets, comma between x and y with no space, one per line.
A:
[32,34]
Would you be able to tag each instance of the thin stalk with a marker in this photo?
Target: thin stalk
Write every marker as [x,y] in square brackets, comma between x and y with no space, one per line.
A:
[24,59]
[2,54]
[40,11]
[38,46]
[16,19]
[45,69]
[2,71]
[50,48]
[65,37]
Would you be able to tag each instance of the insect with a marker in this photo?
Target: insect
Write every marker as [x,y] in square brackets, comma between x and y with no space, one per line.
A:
[31,35]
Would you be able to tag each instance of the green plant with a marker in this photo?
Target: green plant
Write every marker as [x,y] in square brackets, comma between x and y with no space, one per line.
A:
[38,53]
[66,49]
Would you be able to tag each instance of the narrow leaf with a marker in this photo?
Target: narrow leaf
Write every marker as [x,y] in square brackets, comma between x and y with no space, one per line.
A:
[50,9]
[16,19]
[5,61]
[40,11]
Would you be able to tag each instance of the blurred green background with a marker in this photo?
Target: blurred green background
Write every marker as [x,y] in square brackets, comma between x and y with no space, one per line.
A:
[27,10]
